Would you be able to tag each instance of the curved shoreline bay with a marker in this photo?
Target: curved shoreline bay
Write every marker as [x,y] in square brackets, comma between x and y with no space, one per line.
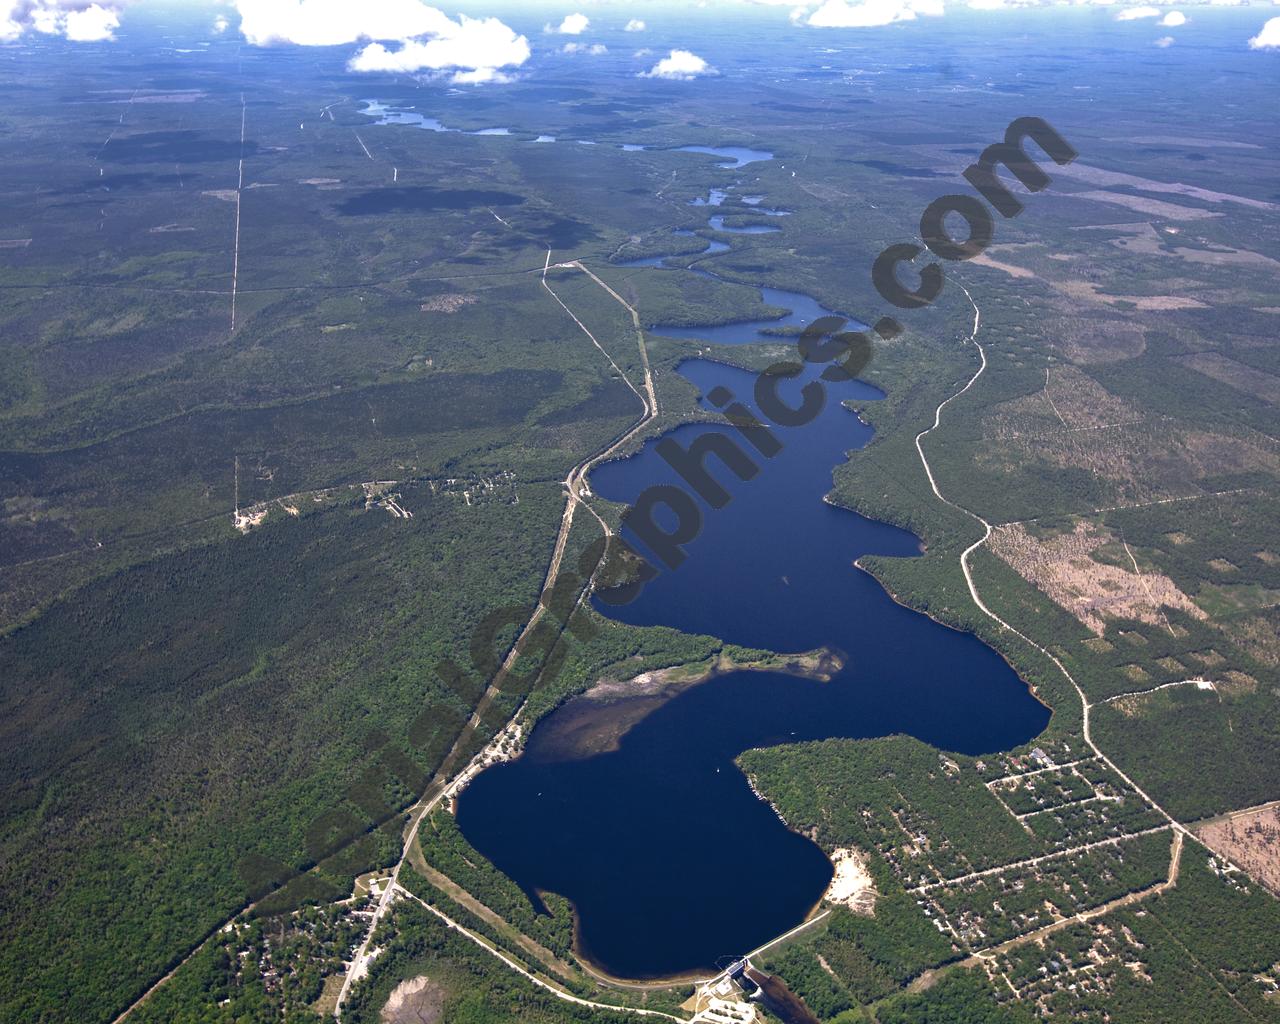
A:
[670,860]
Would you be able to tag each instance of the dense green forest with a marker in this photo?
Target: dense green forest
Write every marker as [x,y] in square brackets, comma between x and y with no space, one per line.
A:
[240,565]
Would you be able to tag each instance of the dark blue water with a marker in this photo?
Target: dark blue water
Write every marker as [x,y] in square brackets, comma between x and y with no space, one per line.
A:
[802,311]
[658,261]
[668,857]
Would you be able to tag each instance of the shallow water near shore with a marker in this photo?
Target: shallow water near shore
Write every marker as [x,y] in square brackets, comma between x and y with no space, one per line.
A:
[671,860]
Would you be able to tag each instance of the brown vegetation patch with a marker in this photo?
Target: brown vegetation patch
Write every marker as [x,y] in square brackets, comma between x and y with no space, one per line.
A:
[1172,665]
[1245,379]
[1143,462]
[1093,339]
[1063,567]
[1070,400]
[1209,658]
[1091,291]
[1151,207]
[1222,565]
[1151,243]
[1258,637]
[1236,684]
[1105,178]
[1251,839]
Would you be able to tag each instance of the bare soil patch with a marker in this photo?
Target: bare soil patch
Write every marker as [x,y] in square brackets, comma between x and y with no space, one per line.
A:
[415,1001]
[1063,567]
[447,303]
[1251,839]
[852,885]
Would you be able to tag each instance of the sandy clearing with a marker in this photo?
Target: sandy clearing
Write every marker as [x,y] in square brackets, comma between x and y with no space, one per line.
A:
[1152,207]
[852,886]
[1098,176]
[986,261]
[415,1001]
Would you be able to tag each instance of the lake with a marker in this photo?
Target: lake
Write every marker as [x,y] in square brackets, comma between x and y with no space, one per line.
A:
[734,156]
[802,311]
[670,860]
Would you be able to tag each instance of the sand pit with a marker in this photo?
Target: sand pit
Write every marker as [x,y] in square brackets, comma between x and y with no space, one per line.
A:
[416,1001]
[852,886]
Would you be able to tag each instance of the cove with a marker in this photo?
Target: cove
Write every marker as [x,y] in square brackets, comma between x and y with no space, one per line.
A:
[671,861]
[802,311]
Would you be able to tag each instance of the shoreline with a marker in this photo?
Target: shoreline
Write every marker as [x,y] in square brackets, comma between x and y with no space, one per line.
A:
[596,721]
[1031,687]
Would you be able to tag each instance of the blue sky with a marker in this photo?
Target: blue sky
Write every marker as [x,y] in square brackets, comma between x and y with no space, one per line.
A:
[481,42]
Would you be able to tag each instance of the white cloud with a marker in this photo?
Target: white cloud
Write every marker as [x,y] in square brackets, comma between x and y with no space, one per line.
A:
[474,49]
[93,23]
[870,13]
[573,25]
[1173,19]
[681,65]
[595,49]
[635,25]
[220,24]
[1134,13]
[78,20]
[1164,42]
[334,22]
[1268,38]
[481,76]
